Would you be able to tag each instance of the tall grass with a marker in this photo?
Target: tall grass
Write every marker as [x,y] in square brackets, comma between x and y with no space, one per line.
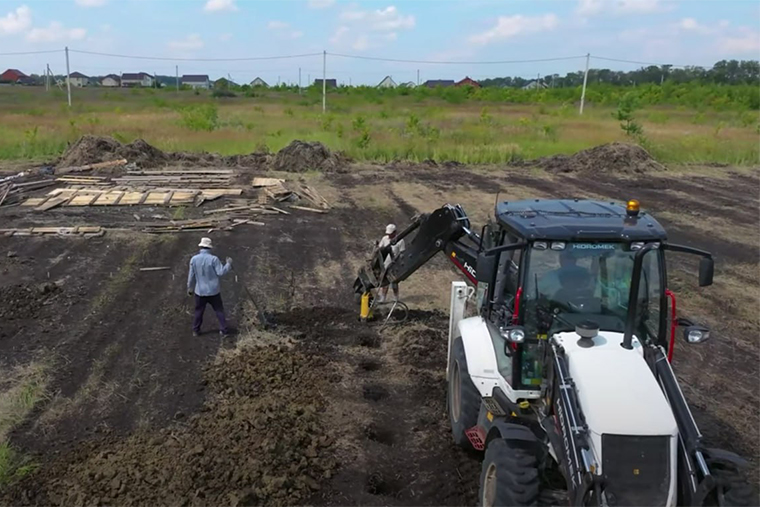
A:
[415,126]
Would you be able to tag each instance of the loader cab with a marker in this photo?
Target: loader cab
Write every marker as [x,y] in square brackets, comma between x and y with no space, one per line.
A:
[563,262]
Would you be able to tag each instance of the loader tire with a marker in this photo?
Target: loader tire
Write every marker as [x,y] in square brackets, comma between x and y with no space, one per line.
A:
[463,399]
[732,491]
[509,476]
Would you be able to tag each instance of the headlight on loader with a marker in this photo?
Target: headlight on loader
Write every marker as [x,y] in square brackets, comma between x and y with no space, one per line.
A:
[514,334]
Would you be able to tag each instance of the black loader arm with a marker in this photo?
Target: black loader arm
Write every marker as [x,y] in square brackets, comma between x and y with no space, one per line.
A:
[437,231]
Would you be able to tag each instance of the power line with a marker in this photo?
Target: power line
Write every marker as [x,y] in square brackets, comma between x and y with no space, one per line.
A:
[636,62]
[21,53]
[536,60]
[135,57]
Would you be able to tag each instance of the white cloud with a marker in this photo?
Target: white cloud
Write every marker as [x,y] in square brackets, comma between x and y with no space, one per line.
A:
[361,43]
[191,42]
[225,37]
[277,25]
[284,30]
[339,35]
[16,20]
[320,4]
[55,32]
[220,5]
[640,6]
[586,8]
[510,26]
[90,3]
[589,7]
[381,20]
[746,43]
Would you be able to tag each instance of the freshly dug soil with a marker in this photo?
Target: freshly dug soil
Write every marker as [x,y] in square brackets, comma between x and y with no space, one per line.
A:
[90,149]
[617,158]
[258,441]
[300,156]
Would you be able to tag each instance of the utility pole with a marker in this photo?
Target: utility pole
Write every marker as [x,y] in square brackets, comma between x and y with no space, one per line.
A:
[278,80]
[349,82]
[68,76]
[176,76]
[538,82]
[47,77]
[324,81]
[585,80]
[418,77]
[299,80]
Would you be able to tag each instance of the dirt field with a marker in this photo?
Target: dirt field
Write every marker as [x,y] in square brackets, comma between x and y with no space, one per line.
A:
[133,409]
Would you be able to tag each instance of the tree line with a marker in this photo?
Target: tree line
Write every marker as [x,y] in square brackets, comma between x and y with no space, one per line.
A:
[726,72]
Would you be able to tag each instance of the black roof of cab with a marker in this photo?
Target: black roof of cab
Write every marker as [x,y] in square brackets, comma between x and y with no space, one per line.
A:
[577,220]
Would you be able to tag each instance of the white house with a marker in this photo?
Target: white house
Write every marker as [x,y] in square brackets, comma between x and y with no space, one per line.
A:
[78,79]
[140,79]
[534,85]
[111,81]
[259,82]
[388,82]
[408,84]
[196,81]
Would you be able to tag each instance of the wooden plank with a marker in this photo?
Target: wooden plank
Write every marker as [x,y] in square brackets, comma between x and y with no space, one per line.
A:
[33,201]
[278,210]
[88,167]
[89,229]
[266,182]
[320,200]
[131,198]
[118,198]
[156,268]
[180,171]
[154,198]
[51,203]
[5,193]
[168,197]
[109,199]
[225,210]
[313,210]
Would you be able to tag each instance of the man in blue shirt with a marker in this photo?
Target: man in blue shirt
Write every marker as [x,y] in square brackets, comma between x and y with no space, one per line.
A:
[203,281]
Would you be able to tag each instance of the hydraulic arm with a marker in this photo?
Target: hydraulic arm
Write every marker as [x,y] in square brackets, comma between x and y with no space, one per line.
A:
[442,230]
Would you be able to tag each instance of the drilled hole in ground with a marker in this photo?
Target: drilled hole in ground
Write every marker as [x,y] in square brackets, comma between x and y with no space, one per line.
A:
[378,434]
[376,484]
[369,364]
[367,339]
[374,392]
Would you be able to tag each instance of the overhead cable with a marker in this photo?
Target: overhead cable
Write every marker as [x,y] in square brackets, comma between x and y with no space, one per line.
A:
[136,57]
[439,62]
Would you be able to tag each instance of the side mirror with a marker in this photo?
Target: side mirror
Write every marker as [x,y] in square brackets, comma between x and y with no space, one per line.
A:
[693,333]
[486,268]
[706,270]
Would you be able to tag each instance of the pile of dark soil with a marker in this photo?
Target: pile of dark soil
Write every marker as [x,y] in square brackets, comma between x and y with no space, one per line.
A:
[422,346]
[615,158]
[93,149]
[259,440]
[300,156]
[18,302]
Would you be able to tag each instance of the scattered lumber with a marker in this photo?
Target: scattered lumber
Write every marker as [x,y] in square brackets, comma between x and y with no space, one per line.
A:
[4,193]
[266,182]
[89,167]
[84,231]
[156,268]
[123,196]
[51,203]
[313,210]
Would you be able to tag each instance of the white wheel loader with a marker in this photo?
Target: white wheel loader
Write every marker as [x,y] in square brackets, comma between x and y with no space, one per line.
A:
[562,376]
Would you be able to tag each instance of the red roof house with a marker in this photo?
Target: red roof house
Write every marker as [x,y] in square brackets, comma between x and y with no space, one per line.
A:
[468,82]
[11,76]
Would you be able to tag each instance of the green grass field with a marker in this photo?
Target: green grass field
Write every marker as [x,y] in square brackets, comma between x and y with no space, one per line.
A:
[37,125]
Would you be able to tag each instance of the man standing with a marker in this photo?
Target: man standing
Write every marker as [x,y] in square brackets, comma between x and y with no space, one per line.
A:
[203,281]
[393,251]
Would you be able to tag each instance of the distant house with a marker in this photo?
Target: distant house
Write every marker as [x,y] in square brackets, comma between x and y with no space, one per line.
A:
[140,79]
[224,84]
[388,82]
[468,82]
[78,79]
[408,84]
[111,81]
[534,85]
[259,82]
[329,83]
[12,76]
[196,81]
[434,83]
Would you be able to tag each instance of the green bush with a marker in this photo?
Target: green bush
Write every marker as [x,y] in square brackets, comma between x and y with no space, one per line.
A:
[223,93]
[200,117]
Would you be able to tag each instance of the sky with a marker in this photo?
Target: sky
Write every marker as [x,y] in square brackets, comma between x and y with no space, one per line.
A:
[677,32]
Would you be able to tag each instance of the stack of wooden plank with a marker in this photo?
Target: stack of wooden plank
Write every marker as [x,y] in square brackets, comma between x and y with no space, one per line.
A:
[207,178]
[125,197]
[85,231]
[13,193]
[280,190]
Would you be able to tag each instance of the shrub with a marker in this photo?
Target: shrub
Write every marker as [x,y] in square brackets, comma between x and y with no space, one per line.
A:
[200,117]
[222,93]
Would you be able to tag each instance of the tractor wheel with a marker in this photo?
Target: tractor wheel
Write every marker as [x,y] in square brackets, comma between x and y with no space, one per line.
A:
[509,475]
[463,398]
[732,490]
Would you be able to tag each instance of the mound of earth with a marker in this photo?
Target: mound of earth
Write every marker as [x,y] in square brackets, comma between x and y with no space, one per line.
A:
[90,149]
[258,441]
[300,156]
[620,158]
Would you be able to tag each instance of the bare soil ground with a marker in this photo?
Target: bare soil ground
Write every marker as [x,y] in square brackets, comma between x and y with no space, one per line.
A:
[321,410]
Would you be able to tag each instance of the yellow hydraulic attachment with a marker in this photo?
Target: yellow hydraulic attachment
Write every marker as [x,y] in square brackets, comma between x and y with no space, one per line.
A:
[366,311]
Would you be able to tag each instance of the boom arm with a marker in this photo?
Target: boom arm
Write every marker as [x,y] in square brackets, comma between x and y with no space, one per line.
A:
[440,230]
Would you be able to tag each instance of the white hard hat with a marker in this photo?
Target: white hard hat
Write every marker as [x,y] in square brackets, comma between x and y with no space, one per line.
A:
[205,243]
[390,229]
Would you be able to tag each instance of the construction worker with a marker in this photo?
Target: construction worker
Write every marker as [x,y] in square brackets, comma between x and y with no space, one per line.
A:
[203,282]
[393,251]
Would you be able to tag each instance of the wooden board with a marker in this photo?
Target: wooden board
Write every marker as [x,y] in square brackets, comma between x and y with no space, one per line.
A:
[51,203]
[131,198]
[82,199]
[108,199]
[266,182]
[155,199]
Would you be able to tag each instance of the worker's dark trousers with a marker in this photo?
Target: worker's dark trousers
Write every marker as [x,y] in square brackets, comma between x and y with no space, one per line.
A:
[200,307]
